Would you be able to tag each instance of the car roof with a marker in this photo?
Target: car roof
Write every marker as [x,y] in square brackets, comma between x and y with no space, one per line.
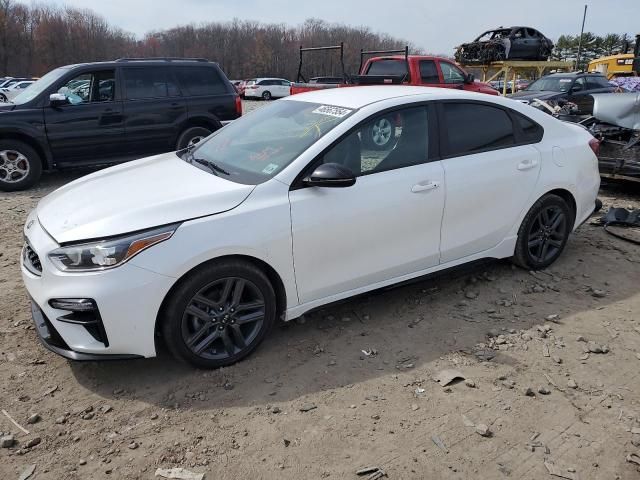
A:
[358,97]
[574,74]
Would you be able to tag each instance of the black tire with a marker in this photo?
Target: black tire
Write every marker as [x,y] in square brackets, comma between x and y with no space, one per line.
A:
[380,135]
[204,288]
[3,97]
[191,135]
[540,241]
[266,95]
[20,166]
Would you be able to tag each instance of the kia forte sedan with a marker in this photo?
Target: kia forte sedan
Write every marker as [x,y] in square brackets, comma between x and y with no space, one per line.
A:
[286,209]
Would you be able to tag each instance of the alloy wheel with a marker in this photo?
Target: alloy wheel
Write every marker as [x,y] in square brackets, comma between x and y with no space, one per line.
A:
[223,318]
[14,166]
[381,132]
[547,233]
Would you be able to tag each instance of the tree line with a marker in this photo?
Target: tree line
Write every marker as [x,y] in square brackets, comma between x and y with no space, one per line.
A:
[35,39]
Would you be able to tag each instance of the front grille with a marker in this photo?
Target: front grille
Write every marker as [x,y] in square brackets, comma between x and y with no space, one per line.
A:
[31,260]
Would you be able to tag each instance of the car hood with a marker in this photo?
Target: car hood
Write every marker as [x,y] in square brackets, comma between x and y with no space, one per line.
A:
[540,95]
[134,196]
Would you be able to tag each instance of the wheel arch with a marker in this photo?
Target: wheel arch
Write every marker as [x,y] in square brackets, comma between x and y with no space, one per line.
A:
[568,197]
[269,271]
[212,124]
[45,158]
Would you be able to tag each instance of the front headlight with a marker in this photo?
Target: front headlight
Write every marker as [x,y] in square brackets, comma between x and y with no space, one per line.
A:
[104,254]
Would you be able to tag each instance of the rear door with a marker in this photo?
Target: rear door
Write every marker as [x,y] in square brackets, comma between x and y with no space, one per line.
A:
[491,170]
[90,128]
[154,109]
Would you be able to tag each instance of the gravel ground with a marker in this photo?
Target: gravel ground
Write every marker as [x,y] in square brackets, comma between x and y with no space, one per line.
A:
[352,385]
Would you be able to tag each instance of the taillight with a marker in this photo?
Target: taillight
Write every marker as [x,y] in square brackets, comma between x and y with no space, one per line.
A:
[238,106]
[594,143]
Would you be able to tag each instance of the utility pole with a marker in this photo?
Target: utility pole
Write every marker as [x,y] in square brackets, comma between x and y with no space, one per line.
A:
[584,16]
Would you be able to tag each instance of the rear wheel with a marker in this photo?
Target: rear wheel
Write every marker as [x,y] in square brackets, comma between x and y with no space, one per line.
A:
[191,136]
[381,134]
[266,95]
[544,233]
[20,165]
[219,314]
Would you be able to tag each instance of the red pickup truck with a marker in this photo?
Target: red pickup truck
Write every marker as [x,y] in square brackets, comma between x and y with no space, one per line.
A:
[405,69]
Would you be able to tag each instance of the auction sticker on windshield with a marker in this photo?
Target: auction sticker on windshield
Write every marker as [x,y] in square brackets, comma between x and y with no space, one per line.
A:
[272,167]
[332,111]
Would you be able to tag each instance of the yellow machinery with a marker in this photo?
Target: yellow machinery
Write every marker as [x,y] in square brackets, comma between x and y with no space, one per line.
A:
[511,69]
[620,65]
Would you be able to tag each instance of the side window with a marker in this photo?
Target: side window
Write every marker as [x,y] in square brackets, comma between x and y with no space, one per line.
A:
[596,82]
[284,83]
[579,85]
[531,131]
[451,73]
[386,142]
[429,72]
[473,127]
[143,82]
[199,81]
[90,87]
[532,33]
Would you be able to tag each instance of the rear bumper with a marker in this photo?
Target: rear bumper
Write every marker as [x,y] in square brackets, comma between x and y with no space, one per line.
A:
[52,340]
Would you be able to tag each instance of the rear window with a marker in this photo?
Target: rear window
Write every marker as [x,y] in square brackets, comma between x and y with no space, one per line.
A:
[387,67]
[199,81]
[531,131]
[473,127]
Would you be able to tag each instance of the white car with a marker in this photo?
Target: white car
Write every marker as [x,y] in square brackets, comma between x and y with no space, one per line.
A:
[286,209]
[267,88]
[9,93]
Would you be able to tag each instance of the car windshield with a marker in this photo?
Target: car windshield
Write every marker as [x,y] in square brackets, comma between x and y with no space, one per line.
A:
[550,84]
[41,85]
[258,146]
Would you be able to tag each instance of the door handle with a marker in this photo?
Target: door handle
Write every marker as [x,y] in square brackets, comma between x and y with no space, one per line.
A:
[425,186]
[528,164]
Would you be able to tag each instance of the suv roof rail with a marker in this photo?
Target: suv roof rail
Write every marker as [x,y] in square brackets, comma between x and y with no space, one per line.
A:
[161,59]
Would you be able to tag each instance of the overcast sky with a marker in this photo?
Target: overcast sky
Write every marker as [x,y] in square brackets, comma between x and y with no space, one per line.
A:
[436,26]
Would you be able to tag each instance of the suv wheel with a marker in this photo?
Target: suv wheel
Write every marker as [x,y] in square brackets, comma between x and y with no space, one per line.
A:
[381,134]
[266,95]
[20,165]
[192,136]
[219,314]
[544,233]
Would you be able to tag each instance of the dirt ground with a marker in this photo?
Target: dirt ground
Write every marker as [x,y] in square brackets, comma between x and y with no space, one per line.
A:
[309,403]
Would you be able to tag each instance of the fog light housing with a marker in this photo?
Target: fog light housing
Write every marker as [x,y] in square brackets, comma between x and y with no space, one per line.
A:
[84,311]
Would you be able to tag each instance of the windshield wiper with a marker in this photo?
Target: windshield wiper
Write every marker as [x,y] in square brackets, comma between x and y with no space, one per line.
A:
[214,167]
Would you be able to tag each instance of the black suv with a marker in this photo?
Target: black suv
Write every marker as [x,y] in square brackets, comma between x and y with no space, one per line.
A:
[575,87]
[111,112]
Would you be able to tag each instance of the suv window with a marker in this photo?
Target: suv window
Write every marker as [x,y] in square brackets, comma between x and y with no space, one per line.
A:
[199,81]
[473,127]
[386,142]
[451,73]
[579,85]
[90,87]
[143,82]
[429,72]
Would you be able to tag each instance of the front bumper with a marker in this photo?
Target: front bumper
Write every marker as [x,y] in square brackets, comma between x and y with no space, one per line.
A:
[128,299]
[52,340]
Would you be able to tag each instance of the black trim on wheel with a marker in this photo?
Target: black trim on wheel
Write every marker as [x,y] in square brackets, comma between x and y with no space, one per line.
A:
[266,95]
[218,313]
[544,233]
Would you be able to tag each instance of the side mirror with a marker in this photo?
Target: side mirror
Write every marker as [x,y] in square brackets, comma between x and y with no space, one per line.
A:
[331,175]
[58,99]
[469,78]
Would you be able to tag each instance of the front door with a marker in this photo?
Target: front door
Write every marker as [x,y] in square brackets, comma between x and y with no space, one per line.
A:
[490,176]
[89,128]
[385,226]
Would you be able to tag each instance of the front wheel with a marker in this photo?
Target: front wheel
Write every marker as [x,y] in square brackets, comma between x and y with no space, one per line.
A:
[219,314]
[544,233]
[20,166]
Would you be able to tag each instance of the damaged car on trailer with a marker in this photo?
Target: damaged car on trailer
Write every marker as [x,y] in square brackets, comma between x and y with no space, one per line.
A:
[510,43]
[616,123]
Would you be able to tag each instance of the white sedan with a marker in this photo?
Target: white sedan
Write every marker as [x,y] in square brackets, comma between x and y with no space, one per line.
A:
[286,209]
[9,93]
